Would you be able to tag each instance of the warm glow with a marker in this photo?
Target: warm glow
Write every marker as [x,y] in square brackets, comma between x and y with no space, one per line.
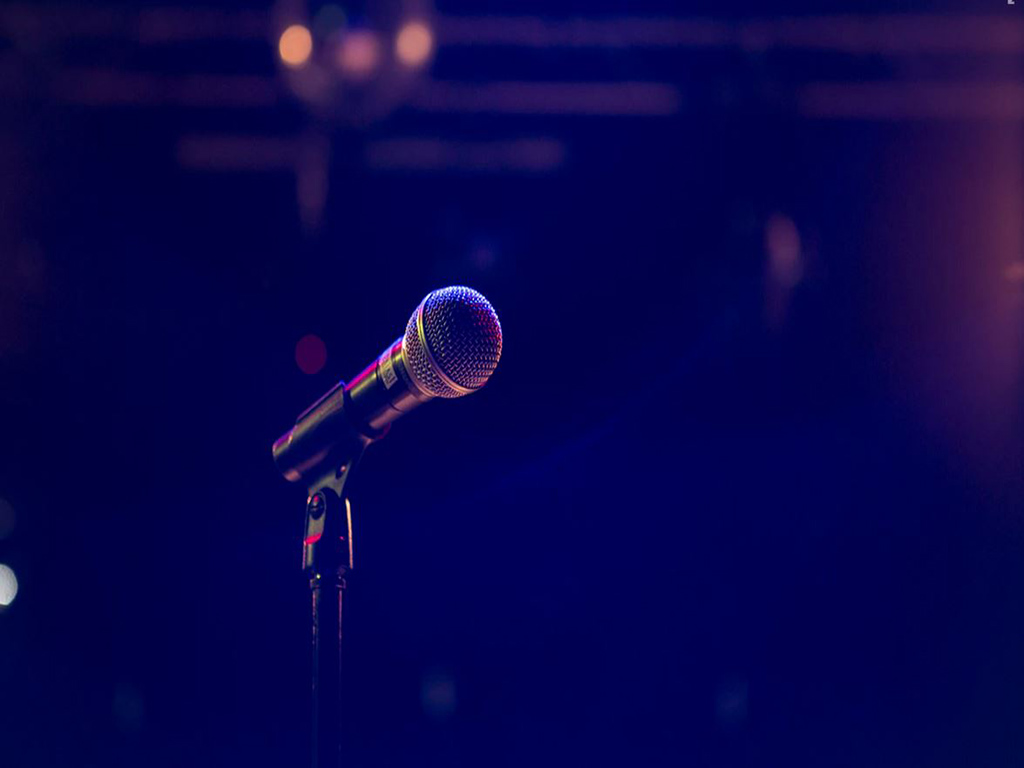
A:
[782,242]
[414,44]
[359,53]
[438,695]
[295,45]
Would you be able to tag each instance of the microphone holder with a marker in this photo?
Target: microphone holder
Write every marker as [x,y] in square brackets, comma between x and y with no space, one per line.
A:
[327,560]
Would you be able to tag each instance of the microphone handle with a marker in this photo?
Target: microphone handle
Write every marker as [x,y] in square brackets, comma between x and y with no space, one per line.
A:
[384,390]
[338,426]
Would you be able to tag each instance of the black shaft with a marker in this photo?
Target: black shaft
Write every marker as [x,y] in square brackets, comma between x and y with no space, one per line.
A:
[327,596]
[327,560]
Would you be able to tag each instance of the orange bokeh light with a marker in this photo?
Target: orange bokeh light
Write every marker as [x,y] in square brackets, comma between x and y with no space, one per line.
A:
[295,45]
[414,44]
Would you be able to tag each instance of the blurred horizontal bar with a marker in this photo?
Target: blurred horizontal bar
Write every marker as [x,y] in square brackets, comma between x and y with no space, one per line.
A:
[1000,32]
[29,22]
[152,25]
[266,153]
[915,101]
[239,153]
[879,100]
[536,98]
[106,87]
[903,33]
[167,25]
[111,87]
[529,155]
[611,32]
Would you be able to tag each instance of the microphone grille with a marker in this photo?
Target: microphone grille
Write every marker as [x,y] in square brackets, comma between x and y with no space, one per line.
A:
[460,342]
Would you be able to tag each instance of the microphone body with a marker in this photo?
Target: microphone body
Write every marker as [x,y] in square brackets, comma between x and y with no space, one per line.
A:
[451,346]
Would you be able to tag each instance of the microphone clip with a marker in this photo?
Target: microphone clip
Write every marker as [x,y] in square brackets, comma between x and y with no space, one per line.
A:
[327,534]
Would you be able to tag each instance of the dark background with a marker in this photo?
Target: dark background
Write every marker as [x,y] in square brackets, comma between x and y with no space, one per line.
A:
[746,488]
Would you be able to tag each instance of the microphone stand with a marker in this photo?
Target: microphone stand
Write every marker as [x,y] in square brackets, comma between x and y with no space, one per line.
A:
[327,560]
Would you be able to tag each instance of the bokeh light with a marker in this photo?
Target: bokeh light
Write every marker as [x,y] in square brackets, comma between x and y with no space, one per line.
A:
[8,586]
[1015,272]
[311,354]
[731,701]
[785,259]
[359,53]
[437,695]
[7,518]
[295,45]
[483,256]
[784,270]
[414,44]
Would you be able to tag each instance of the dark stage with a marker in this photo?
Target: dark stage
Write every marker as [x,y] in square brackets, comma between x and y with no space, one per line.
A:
[745,489]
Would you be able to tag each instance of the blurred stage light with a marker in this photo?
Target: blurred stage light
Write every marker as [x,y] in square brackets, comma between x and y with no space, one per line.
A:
[311,354]
[359,53]
[785,260]
[483,256]
[414,43]
[784,269]
[295,45]
[7,519]
[8,586]
[1015,272]
[731,701]
[437,695]
[354,65]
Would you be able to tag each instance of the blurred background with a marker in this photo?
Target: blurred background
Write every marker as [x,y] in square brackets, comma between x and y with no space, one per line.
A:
[745,490]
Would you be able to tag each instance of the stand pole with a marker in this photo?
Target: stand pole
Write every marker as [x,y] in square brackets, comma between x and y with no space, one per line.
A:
[327,559]
[327,612]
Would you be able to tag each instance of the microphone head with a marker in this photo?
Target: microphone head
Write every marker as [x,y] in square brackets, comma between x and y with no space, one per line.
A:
[452,342]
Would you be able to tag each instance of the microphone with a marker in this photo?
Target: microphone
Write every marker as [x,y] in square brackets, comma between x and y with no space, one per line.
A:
[450,348]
